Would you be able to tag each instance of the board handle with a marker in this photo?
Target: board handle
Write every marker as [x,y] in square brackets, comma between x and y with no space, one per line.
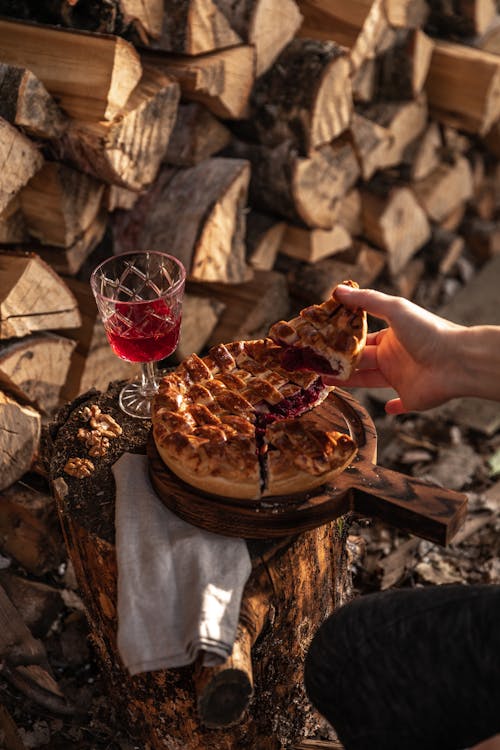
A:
[410,504]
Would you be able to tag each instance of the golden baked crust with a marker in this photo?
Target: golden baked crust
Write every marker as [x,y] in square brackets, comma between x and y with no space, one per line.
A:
[327,338]
[216,424]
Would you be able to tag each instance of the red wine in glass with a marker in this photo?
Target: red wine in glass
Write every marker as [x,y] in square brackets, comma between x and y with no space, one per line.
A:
[143,331]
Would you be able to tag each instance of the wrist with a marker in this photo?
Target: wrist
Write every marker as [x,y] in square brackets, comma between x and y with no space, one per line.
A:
[477,361]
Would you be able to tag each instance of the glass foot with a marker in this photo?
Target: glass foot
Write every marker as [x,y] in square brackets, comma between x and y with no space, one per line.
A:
[136,402]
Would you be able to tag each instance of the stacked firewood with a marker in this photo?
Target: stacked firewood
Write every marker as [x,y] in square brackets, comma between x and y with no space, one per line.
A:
[275,146]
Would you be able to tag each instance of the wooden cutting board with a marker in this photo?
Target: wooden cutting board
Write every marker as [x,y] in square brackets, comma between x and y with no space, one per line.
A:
[423,509]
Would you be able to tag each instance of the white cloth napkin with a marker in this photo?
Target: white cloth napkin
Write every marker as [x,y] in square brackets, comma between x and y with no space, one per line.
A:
[179,587]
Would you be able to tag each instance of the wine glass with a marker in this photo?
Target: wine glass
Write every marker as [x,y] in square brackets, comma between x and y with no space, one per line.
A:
[139,298]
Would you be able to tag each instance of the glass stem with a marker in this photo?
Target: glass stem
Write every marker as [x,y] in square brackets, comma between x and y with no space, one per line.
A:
[149,379]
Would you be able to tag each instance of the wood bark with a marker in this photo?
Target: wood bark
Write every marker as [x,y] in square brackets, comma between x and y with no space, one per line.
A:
[221,80]
[90,76]
[394,221]
[311,565]
[266,24]
[126,151]
[60,203]
[20,159]
[301,190]
[26,103]
[34,369]
[20,427]
[403,69]
[198,213]
[33,297]
[249,308]
[193,27]
[197,135]
[305,96]
[462,19]
[473,104]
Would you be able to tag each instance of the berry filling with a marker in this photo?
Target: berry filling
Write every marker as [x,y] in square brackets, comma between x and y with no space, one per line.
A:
[293,358]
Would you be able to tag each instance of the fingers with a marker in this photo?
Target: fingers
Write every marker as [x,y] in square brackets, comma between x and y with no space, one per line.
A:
[395,406]
[376,303]
[360,379]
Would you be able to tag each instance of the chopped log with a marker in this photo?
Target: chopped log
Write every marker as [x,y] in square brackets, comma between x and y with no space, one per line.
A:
[461,18]
[250,308]
[408,278]
[20,427]
[200,315]
[26,103]
[312,245]
[305,96]
[405,121]
[69,260]
[489,41]
[371,142]
[444,189]
[423,155]
[93,363]
[266,24]
[20,158]
[301,190]
[145,17]
[364,82]
[463,87]
[349,212]
[34,369]
[279,713]
[453,221]
[403,69]
[127,150]
[263,240]
[17,645]
[394,220]
[29,529]
[360,26]
[196,136]
[118,197]
[311,284]
[406,14]
[33,297]
[447,248]
[37,603]
[193,27]
[91,76]
[222,80]
[482,238]
[60,203]
[11,734]
[492,139]
[13,224]
[198,214]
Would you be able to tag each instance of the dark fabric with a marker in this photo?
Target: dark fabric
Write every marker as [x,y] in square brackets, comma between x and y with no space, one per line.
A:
[410,669]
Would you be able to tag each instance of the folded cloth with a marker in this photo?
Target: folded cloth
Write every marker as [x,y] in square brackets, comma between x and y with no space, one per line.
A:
[179,587]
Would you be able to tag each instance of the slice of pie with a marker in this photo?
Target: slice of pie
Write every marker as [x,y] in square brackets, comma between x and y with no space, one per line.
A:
[236,423]
[326,338]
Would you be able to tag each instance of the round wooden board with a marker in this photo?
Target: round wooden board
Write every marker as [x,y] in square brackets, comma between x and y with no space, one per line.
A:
[273,516]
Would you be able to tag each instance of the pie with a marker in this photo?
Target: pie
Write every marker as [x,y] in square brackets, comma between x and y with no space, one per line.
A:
[240,423]
[326,338]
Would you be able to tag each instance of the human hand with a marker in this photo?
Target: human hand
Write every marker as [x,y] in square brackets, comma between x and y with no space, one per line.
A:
[417,354]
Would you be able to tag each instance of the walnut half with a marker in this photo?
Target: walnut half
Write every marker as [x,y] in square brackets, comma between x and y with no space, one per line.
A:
[79,467]
[104,423]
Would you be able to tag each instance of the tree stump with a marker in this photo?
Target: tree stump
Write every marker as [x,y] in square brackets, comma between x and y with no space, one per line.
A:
[256,698]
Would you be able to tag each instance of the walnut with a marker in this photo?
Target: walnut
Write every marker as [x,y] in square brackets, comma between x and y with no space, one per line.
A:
[85,414]
[79,467]
[97,444]
[104,423]
[83,434]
